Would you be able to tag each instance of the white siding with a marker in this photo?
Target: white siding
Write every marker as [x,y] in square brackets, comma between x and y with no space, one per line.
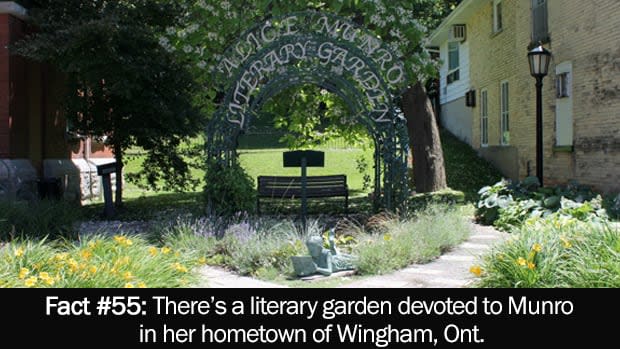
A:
[456,89]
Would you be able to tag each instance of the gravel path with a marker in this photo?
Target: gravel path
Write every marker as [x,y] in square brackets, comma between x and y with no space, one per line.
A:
[449,270]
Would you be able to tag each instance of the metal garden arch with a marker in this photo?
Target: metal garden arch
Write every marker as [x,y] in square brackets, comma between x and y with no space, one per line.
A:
[332,53]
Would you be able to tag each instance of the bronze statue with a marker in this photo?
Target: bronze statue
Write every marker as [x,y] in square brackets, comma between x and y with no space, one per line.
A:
[322,260]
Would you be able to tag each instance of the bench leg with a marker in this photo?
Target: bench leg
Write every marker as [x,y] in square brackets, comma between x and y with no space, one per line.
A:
[258,205]
[346,204]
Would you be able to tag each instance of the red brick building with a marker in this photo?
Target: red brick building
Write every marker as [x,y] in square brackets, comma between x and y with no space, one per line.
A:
[34,142]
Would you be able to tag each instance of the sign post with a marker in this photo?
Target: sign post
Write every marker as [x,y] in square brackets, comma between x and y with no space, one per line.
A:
[105,171]
[304,159]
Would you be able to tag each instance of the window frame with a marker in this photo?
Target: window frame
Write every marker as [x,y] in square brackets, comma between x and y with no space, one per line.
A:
[498,18]
[536,36]
[504,112]
[563,85]
[484,118]
[454,74]
[564,108]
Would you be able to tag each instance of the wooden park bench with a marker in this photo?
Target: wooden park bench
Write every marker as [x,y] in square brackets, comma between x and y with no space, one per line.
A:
[290,188]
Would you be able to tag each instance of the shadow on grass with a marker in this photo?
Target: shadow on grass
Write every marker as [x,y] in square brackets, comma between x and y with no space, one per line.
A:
[261,141]
[158,205]
[151,207]
[465,170]
[322,206]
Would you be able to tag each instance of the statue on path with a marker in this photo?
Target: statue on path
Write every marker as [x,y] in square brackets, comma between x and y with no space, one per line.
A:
[322,260]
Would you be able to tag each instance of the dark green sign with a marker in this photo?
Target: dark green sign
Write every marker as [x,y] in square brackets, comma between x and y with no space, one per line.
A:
[313,158]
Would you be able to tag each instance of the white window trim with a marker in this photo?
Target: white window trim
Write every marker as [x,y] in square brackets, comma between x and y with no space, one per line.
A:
[496,27]
[484,116]
[451,71]
[504,114]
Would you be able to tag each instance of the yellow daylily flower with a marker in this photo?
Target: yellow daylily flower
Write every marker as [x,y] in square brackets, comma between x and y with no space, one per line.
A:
[86,254]
[153,251]
[23,272]
[31,281]
[476,270]
[179,267]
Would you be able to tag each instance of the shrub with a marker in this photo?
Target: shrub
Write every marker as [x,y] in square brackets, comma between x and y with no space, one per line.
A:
[507,206]
[262,248]
[257,248]
[492,198]
[612,206]
[423,200]
[268,251]
[38,219]
[120,261]
[398,242]
[556,251]
[228,190]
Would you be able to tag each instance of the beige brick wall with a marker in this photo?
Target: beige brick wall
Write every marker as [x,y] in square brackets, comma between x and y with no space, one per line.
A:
[586,33]
[583,32]
[498,57]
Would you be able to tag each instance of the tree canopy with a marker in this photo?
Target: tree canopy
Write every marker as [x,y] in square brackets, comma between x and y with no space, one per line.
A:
[210,27]
[138,70]
[122,85]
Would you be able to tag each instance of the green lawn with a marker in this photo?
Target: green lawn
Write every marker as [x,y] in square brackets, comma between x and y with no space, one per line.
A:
[259,156]
[268,162]
[465,170]
[262,155]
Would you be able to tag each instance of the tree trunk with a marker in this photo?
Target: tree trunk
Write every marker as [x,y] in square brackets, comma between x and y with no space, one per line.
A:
[424,140]
[118,156]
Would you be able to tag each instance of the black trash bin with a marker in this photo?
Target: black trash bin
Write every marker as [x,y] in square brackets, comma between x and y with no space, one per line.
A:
[49,188]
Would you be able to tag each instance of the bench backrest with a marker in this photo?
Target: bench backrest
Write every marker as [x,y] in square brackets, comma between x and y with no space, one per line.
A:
[317,186]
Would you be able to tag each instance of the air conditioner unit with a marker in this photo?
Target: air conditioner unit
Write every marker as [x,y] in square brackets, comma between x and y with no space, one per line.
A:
[458,32]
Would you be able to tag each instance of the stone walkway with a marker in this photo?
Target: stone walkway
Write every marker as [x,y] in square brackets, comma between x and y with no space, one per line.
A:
[449,270]
[221,278]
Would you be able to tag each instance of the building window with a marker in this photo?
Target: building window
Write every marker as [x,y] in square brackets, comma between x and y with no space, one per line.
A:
[564,105]
[484,118]
[540,24]
[505,113]
[453,62]
[562,85]
[498,20]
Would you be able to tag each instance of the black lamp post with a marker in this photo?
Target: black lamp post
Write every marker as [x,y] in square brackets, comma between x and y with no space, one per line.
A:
[539,59]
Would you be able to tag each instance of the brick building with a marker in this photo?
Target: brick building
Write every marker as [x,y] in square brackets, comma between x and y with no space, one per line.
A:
[34,142]
[483,45]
